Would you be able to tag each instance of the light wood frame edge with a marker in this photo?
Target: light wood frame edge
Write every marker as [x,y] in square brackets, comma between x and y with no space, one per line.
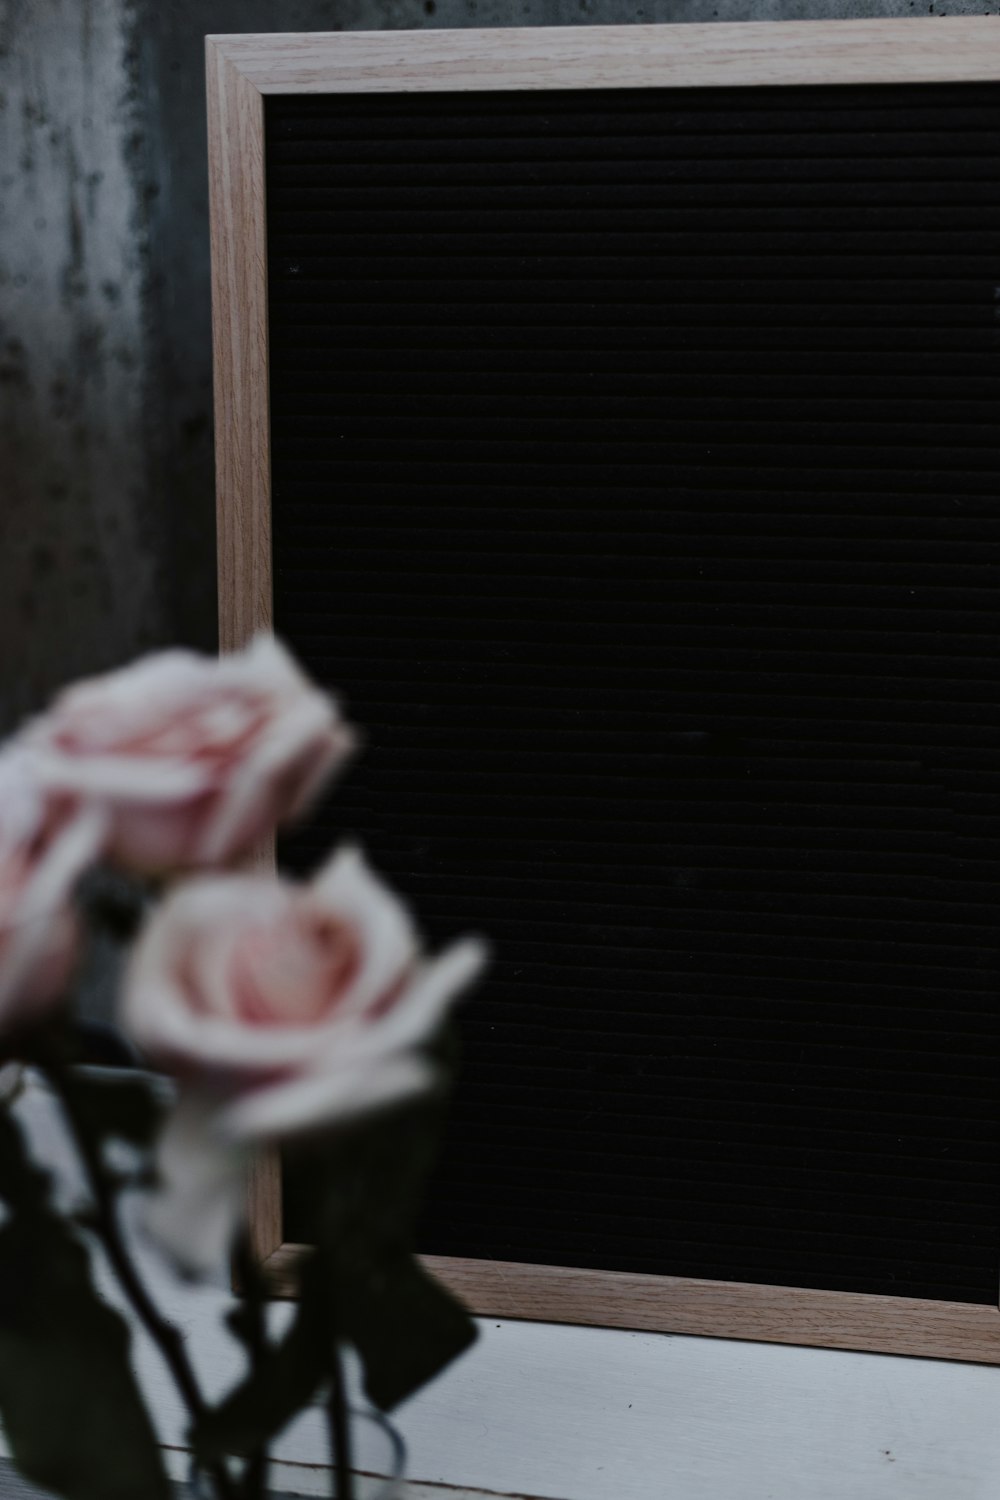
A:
[712,1309]
[915,50]
[240,70]
[238,231]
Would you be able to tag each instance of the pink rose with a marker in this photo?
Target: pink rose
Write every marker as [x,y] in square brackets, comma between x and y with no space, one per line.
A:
[44,848]
[193,758]
[281,1008]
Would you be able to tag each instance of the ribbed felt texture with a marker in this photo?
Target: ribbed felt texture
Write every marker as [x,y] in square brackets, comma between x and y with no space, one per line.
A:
[635,481]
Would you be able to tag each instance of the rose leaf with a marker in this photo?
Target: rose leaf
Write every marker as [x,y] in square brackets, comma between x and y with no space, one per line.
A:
[69,1404]
[117,1105]
[406,1328]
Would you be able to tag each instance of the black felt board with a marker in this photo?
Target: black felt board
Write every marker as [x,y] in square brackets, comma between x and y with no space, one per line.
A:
[635,480]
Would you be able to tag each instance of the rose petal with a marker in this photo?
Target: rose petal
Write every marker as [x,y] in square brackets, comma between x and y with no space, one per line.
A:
[123,778]
[422,1005]
[38,936]
[388,937]
[306,739]
[159,1009]
[313,1100]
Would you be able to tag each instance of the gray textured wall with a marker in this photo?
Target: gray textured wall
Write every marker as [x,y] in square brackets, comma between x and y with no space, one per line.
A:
[106,519]
[81,554]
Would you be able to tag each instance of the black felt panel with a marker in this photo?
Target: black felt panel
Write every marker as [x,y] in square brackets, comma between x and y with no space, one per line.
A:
[635,479]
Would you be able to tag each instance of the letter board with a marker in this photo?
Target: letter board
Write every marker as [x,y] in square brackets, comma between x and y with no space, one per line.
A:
[624,451]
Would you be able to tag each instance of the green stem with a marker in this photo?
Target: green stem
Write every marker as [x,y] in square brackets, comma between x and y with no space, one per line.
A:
[164,1335]
[339,1424]
[256,1472]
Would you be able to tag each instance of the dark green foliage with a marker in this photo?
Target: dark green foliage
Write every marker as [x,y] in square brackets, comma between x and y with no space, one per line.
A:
[375,1295]
[405,1327]
[115,1105]
[361,1285]
[68,1400]
[69,1404]
[114,902]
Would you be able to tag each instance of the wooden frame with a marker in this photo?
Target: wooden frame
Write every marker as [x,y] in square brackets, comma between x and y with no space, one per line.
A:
[241,70]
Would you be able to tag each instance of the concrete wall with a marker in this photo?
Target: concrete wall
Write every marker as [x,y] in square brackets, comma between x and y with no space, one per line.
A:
[106,518]
[82,561]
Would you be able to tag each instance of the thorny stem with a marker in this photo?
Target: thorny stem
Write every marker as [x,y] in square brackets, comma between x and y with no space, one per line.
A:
[164,1335]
